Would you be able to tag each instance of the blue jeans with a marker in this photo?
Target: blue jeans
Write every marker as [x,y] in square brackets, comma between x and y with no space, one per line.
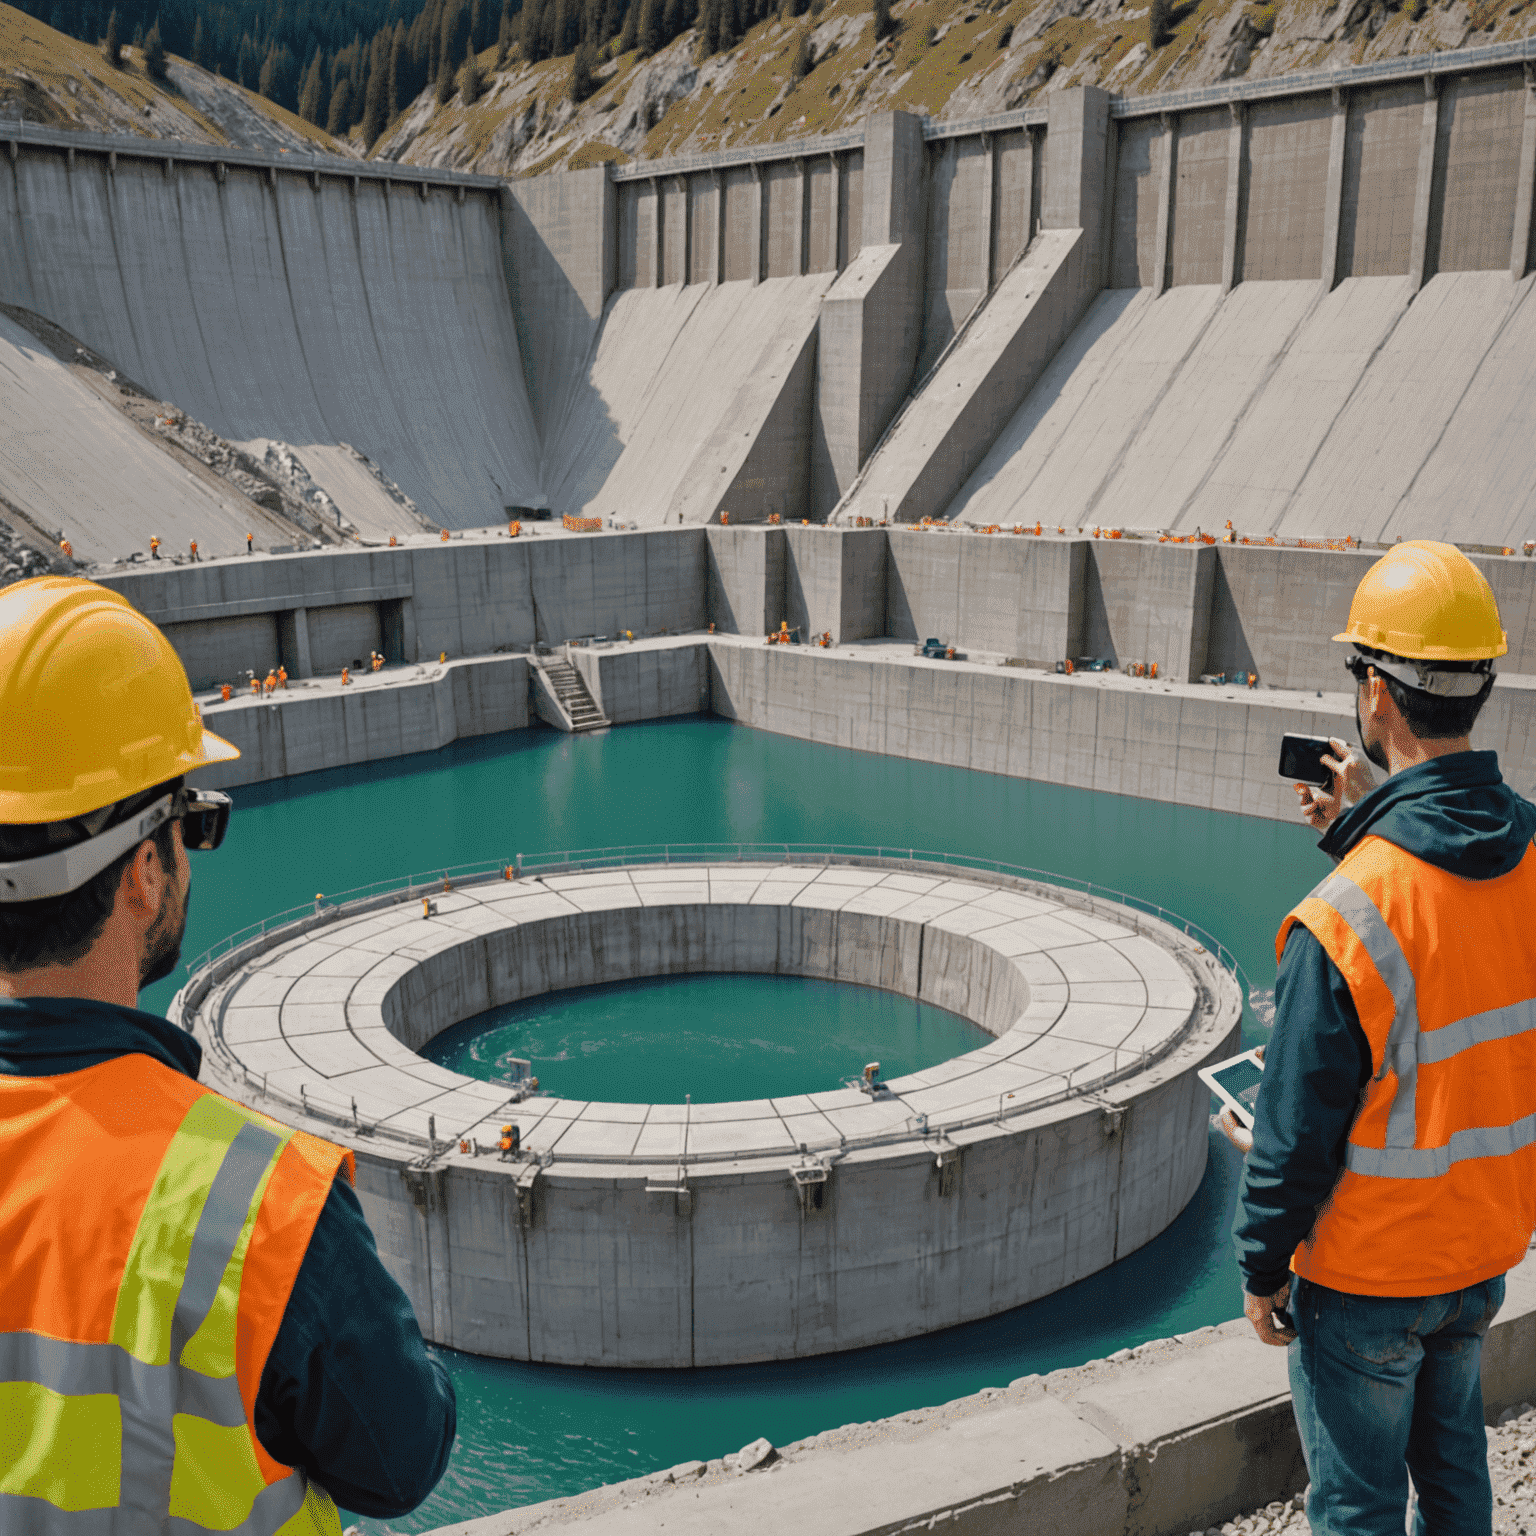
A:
[1384,1386]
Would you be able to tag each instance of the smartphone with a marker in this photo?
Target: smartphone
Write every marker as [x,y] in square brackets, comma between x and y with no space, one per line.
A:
[1236,1083]
[1301,760]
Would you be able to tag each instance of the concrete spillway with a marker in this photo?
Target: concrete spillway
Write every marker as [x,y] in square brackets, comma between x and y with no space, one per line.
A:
[70,461]
[679,385]
[312,311]
[1286,409]
[690,1235]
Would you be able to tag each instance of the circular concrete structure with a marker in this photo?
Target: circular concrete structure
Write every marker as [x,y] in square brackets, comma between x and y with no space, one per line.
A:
[711,1234]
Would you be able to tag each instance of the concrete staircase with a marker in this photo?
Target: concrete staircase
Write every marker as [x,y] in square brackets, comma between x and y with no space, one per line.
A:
[574,708]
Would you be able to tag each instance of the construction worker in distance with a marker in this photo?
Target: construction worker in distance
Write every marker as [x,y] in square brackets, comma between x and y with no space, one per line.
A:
[346,677]
[192,544]
[66,549]
[225,691]
[196,1329]
[154,547]
[269,682]
[1390,1179]
[249,543]
[282,676]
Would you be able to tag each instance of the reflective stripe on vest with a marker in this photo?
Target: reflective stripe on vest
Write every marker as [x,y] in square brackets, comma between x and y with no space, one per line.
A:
[1407,1047]
[148,1433]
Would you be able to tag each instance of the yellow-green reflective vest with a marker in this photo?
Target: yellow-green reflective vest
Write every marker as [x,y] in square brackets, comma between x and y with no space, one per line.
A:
[128,1351]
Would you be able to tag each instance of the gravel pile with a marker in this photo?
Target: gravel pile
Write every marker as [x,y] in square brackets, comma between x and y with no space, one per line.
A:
[1511,1464]
[278,481]
[19,561]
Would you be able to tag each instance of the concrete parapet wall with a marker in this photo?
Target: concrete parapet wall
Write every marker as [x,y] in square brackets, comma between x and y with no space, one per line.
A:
[745,569]
[646,684]
[835,582]
[1013,597]
[1150,602]
[1193,746]
[1179,1435]
[466,597]
[302,732]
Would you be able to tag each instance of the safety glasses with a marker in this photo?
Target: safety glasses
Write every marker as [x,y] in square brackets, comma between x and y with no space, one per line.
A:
[204,817]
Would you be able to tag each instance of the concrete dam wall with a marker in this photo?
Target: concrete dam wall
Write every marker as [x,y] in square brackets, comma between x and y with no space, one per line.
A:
[1313,320]
[341,306]
[1300,303]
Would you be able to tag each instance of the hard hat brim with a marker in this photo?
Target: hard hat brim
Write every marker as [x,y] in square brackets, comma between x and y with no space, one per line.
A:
[1413,648]
[30,810]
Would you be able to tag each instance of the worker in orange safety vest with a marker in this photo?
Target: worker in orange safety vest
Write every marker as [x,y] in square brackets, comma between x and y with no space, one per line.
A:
[1390,1176]
[196,1332]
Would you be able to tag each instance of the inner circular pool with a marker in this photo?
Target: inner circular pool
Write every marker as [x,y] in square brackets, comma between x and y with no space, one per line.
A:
[714,1037]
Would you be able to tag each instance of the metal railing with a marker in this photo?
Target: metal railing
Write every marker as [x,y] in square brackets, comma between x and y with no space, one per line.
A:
[290,161]
[537,865]
[225,958]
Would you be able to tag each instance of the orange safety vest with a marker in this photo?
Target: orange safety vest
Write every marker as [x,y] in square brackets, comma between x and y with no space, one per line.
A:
[1438,1190]
[150,1235]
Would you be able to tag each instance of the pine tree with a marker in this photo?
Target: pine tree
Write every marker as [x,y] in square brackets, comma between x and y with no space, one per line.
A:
[455,34]
[629,33]
[650,38]
[113,47]
[311,108]
[154,52]
[583,67]
[532,40]
[1160,22]
[396,91]
[671,21]
[199,45]
[709,28]
[885,23]
[444,83]
[338,119]
[470,80]
[248,62]
[613,19]
[279,76]
[376,99]
[504,36]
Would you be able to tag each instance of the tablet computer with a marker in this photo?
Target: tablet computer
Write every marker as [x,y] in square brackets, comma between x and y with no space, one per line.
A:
[1236,1083]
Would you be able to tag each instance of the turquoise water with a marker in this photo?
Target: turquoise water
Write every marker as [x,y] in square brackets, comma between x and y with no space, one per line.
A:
[711,1038]
[532,1432]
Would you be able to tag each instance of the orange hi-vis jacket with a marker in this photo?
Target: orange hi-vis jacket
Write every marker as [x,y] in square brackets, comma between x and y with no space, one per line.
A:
[150,1234]
[1438,1190]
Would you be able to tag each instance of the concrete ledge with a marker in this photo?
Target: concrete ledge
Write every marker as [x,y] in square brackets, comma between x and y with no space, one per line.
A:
[383,715]
[1174,1436]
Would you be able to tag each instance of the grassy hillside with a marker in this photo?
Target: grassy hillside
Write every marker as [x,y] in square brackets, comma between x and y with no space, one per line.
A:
[50,78]
[944,59]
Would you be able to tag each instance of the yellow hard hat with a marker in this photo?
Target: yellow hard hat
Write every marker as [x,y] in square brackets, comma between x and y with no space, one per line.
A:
[94,702]
[1427,602]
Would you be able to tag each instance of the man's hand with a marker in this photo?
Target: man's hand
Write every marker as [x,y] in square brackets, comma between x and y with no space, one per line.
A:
[1260,1311]
[1233,1128]
[1235,1131]
[1352,779]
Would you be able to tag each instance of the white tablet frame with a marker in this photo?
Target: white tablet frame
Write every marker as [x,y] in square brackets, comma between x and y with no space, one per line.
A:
[1208,1077]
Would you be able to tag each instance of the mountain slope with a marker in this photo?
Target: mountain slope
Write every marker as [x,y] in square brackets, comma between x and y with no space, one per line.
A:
[49,78]
[944,60]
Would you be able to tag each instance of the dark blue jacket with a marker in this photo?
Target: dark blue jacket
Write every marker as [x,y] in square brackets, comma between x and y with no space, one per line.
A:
[349,1392]
[1454,812]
